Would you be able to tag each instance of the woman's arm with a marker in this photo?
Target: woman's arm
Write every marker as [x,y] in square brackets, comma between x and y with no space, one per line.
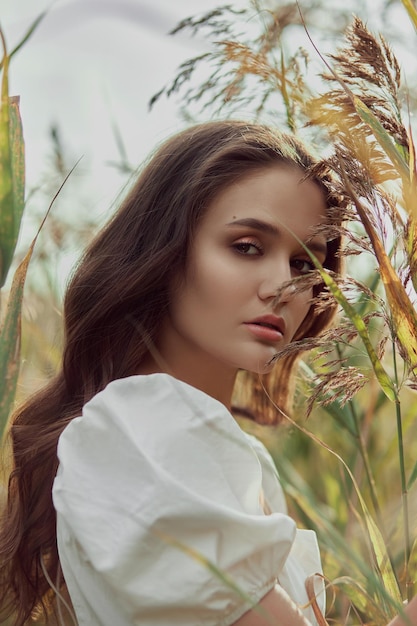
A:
[411,611]
[276,609]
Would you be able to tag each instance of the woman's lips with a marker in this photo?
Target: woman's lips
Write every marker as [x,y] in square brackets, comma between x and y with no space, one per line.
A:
[267,329]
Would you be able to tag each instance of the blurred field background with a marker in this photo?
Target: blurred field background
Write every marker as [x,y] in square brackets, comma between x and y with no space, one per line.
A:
[375,433]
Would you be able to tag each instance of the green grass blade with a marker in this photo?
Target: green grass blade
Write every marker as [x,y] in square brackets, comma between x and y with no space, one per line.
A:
[339,413]
[17,147]
[6,175]
[10,342]
[10,331]
[390,593]
[384,139]
[403,313]
[413,476]
[387,385]
[26,36]
[381,555]
[383,605]
[12,172]
[384,380]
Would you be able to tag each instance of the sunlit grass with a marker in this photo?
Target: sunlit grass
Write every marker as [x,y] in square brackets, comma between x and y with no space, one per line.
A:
[360,113]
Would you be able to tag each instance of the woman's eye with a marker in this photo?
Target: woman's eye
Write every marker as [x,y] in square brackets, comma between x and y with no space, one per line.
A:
[302,266]
[247,248]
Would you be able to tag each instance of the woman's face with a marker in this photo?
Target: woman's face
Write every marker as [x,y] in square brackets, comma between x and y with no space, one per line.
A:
[222,315]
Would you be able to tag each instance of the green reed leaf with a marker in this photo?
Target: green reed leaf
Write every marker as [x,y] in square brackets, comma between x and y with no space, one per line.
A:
[410,205]
[10,331]
[389,592]
[12,171]
[360,598]
[385,140]
[26,36]
[17,147]
[382,560]
[384,380]
[403,313]
[10,334]
[339,413]
[411,248]
[412,565]
[387,385]
[285,95]
[381,555]
[6,176]
[413,476]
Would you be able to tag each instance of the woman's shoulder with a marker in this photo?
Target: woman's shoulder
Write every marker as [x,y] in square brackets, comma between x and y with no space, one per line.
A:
[157,392]
[158,429]
[156,481]
[150,389]
[155,406]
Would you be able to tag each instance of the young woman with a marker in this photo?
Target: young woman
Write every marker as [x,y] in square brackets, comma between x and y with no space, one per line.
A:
[130,473]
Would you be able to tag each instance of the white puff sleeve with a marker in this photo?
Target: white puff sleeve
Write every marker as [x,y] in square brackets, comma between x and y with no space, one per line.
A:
[156,485]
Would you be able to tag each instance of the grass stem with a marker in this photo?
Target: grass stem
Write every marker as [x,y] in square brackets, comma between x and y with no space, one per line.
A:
[404,490]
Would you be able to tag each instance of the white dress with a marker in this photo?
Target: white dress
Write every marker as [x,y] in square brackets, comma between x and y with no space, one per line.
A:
[159,516]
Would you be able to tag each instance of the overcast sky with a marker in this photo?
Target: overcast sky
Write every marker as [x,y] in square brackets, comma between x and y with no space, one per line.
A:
[94,61]
[91,61]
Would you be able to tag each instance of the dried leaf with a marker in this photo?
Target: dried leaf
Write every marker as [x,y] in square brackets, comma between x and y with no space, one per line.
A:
[403,313]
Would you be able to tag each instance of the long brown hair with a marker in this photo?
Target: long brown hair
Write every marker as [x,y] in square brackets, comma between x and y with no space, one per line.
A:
[113,308]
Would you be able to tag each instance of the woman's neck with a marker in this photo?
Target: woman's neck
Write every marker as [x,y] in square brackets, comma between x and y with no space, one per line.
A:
[215,383]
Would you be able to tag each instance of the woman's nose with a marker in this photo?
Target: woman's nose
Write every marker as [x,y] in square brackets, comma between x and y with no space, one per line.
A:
[277,284]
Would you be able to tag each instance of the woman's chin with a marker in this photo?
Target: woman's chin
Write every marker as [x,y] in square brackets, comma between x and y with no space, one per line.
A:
[261,368]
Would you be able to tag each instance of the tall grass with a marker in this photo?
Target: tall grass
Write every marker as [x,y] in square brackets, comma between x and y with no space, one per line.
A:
[361,376]
[351,471]
[12,191]
[12,204]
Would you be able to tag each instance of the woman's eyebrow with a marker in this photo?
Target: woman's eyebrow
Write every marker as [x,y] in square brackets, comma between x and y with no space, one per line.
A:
[318,247]
[252,222]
